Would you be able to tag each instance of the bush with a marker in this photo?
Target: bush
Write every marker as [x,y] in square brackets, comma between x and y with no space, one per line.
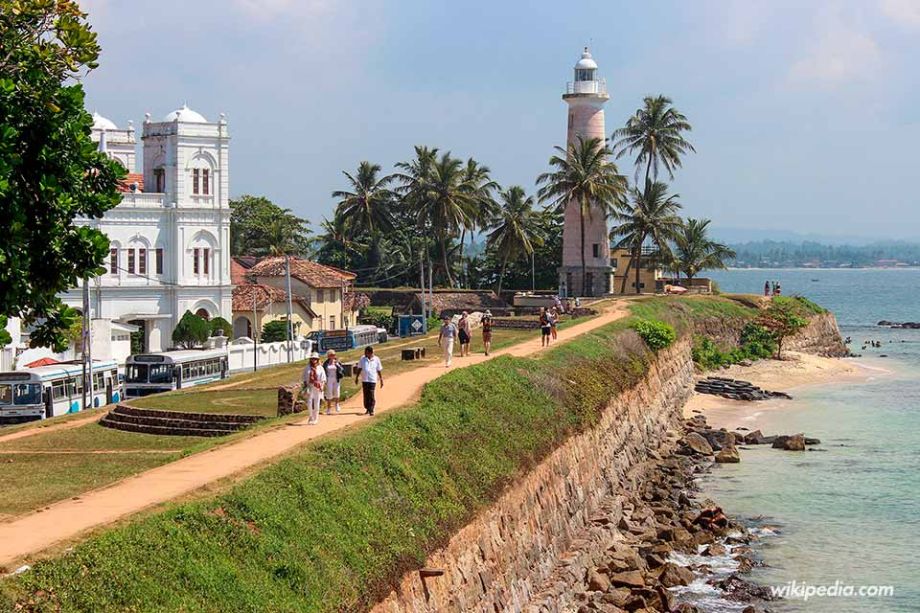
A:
[275,331]
[220,326]
[757,342]
[657,334]
[191,331]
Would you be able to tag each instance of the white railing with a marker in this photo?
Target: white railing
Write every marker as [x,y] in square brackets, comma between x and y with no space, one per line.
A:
[586,87]
[142,199]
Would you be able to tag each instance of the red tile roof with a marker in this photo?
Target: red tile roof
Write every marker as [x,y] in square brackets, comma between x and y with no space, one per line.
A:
[238,272]
[264,295]
[310,273]
[132,177]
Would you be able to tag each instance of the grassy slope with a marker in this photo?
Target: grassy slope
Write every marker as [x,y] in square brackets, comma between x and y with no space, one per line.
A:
[333,526]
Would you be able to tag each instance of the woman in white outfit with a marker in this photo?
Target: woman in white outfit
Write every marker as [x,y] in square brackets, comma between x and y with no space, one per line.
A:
[334,373]
[314,380]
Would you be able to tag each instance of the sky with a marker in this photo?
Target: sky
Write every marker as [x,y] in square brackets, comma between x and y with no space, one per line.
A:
[804,113]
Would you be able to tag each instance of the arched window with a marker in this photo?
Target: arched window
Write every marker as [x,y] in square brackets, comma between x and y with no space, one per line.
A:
[201,250]
[203,313]
[201,175]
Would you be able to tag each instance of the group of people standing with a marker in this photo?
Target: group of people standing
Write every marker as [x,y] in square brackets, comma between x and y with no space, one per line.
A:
[324,382]
[462,331]
[772,288]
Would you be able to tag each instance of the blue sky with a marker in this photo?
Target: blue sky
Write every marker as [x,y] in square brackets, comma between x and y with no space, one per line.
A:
[804,113]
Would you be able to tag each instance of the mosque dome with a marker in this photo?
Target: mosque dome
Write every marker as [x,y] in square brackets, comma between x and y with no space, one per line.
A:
[186,115]
[586,62]
[103,123]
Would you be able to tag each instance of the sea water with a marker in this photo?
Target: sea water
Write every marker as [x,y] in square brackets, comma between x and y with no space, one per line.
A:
[849,514]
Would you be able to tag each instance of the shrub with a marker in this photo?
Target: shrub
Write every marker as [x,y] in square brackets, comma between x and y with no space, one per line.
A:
[191,331]
[656,334]
[757,342]
[220,326]
[275,331]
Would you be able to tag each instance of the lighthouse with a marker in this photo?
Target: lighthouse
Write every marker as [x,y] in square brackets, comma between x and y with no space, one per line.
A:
[585,96]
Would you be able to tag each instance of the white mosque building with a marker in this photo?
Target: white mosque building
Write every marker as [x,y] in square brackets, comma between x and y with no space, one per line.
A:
[170,235]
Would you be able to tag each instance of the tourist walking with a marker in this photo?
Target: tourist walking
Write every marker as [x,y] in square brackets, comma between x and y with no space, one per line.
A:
[370,369]
[777,289]
[334,374]
[464,334]
[553,320]
[486,324]
[545,327]
[446,339]
[314,380]
[766,288]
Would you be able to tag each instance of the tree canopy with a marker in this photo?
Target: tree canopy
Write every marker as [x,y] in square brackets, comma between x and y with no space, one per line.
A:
[192,331]
[51,171]
[258,226]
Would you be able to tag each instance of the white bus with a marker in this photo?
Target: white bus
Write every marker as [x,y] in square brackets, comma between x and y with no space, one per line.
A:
[152,373]
[57,389]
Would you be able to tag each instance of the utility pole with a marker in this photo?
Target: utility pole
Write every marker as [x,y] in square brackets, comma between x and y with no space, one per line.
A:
[421,287]
[255,328]
[342,302]
[290,308]
[87,352]
[430,287]
[533,273]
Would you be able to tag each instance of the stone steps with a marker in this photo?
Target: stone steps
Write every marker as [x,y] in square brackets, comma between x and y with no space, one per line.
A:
[175,423]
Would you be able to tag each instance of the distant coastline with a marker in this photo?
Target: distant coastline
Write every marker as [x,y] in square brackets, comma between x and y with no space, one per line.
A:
[825,269]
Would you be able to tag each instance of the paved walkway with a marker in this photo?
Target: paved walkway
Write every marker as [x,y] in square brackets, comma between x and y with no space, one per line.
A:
[68,519]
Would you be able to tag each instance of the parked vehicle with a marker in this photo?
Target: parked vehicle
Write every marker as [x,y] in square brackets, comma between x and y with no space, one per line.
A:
[152,373]
[56,389]
[343,340]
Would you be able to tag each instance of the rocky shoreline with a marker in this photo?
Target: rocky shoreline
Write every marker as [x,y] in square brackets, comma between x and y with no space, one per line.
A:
[665,542]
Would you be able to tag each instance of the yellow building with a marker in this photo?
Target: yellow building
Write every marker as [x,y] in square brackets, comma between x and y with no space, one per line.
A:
[321,296]
[651,276]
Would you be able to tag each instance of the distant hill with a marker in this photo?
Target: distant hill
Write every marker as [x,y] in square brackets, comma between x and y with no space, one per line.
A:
[814,254]
[748,235]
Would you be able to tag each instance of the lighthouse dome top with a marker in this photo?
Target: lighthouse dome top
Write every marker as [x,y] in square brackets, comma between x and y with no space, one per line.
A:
[186,115]
[103,123]
[586,62]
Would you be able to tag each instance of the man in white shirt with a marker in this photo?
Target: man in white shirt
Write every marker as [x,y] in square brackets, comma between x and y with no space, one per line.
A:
[446,339]
[370,370]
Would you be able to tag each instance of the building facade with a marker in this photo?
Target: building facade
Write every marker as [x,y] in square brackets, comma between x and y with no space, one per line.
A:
[651,275]
[170,235]
[585,96]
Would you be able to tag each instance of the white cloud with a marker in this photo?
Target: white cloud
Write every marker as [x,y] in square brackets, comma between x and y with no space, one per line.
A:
[905,12]
[838,56]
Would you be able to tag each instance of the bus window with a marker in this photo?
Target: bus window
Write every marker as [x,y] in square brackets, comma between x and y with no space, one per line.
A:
[27,393]
[136,373]
[186,371]
[161,373]
[57,389]
[6,394]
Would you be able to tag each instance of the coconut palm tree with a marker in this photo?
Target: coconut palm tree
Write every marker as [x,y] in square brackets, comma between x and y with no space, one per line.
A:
[444,205]
[281,242]
[694,251]
[583,174]
[366,209]
[515,230]
[651,215]
[478,182]
[655,134]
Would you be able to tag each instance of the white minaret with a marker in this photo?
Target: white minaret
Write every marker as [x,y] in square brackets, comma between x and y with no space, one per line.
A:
[585,96]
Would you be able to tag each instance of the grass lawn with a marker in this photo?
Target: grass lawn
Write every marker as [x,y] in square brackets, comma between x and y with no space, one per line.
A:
[242,401]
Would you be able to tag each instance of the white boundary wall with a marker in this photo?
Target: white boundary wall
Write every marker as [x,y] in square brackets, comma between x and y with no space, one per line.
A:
[240,353]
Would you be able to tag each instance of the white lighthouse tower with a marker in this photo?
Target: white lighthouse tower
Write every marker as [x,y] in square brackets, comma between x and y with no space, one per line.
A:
[585,96]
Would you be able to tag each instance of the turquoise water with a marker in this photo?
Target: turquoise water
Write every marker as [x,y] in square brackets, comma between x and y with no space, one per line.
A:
[850,512]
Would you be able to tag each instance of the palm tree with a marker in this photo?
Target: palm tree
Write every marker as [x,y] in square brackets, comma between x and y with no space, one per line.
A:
[582,174]
[478,182]
[656,135]
[695,251]
[281,241]
[365,209]
[651,215]
[444,204]
[515,230]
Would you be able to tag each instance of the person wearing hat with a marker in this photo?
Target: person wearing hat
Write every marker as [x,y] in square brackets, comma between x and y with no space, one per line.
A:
[464,333]
[334,373]
[314,380]
[486,324]
[446,339]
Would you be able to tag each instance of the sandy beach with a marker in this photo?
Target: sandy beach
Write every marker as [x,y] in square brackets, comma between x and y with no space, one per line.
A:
[794,371]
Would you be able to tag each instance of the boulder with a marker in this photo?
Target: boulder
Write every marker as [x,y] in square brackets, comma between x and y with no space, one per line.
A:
[632,578]
[618,597]
[780,441]
[754,438]
[715,550]
[812,441]
[597,582]
[728,455]
[796,442]
[673,575]
[696,443]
